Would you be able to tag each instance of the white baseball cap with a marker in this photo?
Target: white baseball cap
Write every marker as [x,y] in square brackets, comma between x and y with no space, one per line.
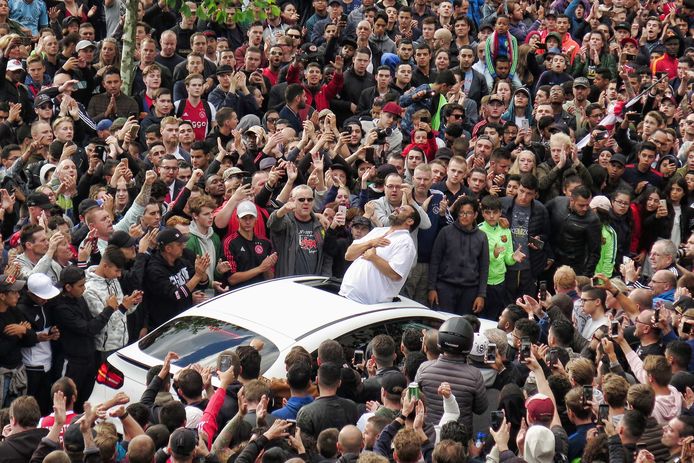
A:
[14,65]
[41,285]
[246,208]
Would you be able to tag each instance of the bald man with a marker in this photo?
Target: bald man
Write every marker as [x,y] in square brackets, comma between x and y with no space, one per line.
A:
[141,449]
[663,284]
[649,336]
[350,442]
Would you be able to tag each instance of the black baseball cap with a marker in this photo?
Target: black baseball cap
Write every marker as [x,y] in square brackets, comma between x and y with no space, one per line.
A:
[86,205]
[10,284]
[121,239]
[394,383]
[361,221]
[224,69]
[183,441]
[170,235]
[38,200]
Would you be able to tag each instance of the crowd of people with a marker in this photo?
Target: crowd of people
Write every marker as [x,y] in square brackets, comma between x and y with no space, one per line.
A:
[528,163]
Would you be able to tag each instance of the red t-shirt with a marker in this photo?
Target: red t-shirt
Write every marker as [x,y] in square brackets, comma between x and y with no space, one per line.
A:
[198,117]
[47,421]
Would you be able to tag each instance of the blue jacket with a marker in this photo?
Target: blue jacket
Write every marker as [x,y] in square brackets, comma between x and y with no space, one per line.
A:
[294,404]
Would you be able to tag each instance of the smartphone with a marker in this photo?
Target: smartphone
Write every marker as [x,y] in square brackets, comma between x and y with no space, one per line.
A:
[426,120]
[553,357]
[543,290]
[602,135]
[291,430]
[614,328]
[134,130]
[663,203]
[687,328]
[358,356]
[346,133]
[225,362]
[246,181]
[603,413]
[626,260]
[497,417]
[633,117]
[370,151]
[413,391]
[524,124]
[542,46]
[343,18]
[587,394]
[524,352]
[490,355]
[538,243]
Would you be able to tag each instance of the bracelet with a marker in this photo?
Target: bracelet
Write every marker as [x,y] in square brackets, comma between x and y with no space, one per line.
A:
[402,417]
[124,416]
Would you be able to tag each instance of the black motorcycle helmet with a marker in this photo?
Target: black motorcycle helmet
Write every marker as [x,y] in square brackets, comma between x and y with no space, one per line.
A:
[456,336]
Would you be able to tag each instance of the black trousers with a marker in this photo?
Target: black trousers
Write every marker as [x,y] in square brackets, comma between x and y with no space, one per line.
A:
[39,386]
[520,283]
[497,300]
[456,299]
[83,373]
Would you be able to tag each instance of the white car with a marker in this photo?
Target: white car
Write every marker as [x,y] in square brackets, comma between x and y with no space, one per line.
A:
[283,313]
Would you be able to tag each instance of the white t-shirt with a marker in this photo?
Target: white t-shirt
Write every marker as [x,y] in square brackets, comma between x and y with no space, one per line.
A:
[364,283]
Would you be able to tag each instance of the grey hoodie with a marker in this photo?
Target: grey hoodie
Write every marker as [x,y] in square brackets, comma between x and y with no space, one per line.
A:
[98,289]
[45,265]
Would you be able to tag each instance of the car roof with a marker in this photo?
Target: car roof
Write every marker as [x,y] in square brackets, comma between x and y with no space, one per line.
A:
[294,306]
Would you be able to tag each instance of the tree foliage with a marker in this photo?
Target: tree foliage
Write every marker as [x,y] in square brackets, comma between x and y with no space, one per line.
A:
[215,10]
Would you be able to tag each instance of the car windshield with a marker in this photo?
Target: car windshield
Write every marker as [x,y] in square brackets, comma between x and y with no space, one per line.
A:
[201,339]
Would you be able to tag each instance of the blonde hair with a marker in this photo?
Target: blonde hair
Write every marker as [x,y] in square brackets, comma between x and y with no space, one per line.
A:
[565,277]
[515,168]
[559,139]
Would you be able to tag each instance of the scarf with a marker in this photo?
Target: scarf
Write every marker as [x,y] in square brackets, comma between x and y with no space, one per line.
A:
[491,51]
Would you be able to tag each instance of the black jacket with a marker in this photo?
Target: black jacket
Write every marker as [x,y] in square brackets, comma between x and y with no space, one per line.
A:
[350,93]
[576,239]
[77,325]
[326,412]
[538,225]
[166,294]
[10,346]
[19,447]
[372,386]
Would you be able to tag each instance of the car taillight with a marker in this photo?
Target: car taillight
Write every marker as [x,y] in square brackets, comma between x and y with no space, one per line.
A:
[110,376]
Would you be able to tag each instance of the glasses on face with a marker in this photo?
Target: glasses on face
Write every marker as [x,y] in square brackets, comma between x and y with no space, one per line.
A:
[46,106]
[304,200]
[272,120]
[467,213]
[293,36]
[621,203]
[457,116]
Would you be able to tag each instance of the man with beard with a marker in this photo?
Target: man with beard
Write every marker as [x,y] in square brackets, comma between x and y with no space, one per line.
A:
[382,259]
[295,109]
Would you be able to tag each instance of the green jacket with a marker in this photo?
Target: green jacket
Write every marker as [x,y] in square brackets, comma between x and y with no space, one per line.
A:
[608,251]
[498,236]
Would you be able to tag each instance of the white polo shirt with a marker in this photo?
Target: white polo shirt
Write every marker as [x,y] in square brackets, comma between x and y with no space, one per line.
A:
[364,283]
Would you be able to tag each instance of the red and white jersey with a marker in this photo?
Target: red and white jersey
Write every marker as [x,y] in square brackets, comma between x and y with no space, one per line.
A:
[47,421]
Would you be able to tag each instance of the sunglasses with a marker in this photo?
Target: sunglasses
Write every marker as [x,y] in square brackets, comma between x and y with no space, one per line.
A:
[46,106]
[304,200]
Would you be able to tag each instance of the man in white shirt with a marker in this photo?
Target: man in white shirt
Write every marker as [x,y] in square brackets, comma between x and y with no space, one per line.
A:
[382,259]
[593,301]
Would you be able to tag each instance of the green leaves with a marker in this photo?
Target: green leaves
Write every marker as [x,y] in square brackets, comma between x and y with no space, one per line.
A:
[217,10]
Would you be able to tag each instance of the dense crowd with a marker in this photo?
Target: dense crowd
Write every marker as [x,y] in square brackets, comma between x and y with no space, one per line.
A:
[528,163]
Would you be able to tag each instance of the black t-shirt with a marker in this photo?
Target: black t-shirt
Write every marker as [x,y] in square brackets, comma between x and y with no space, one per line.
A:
[247,255]
[307,255]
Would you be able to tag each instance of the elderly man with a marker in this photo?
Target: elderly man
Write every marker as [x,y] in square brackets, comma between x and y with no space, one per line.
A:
[662,257]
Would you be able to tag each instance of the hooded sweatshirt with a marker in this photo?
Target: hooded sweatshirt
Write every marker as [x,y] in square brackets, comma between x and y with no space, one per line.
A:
[460,257]
[205,243]
[666,406]
[97,291]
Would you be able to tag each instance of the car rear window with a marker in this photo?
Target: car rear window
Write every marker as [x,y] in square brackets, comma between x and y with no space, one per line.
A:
[200,339]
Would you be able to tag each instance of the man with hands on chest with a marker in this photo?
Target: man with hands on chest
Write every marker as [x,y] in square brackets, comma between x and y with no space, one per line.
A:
[382,259]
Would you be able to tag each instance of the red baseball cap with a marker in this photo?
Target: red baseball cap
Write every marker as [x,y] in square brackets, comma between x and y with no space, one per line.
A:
[539,407]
